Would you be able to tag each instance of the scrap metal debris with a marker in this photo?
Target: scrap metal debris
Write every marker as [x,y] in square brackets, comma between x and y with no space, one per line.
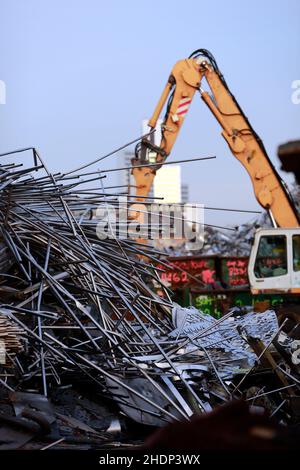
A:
[225,243]
[227,335]
[80,313]
[11,337]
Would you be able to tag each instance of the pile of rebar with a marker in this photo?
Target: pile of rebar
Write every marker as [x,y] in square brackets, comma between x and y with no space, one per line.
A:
[89,312]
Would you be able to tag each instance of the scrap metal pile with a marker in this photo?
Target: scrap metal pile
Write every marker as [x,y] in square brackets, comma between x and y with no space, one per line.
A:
[233,242]
[86,341]
[239,243]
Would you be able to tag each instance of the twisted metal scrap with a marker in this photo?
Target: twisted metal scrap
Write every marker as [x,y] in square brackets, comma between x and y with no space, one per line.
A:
[83,302]
[87,306]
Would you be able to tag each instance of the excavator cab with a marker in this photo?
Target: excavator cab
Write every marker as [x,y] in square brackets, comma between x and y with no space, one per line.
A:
[274,264]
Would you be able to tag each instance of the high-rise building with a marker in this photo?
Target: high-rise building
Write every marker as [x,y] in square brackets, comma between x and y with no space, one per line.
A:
[167,184]
[184,193]
[125,175]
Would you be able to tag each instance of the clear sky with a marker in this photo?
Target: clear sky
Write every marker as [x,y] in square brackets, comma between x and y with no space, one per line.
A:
[82,74]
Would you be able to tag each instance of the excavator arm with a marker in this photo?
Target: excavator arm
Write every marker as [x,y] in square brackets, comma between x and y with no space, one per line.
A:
[185,80]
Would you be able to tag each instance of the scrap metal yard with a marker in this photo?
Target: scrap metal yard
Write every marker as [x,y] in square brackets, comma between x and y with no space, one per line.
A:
[81,314]
[149,233]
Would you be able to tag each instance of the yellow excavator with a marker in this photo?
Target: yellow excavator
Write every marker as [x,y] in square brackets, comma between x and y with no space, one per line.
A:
[274,264]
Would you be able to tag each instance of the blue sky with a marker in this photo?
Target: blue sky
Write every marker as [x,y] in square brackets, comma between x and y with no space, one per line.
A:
[81,76]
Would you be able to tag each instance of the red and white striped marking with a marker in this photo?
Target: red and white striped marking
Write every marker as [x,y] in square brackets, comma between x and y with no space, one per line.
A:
[183,106]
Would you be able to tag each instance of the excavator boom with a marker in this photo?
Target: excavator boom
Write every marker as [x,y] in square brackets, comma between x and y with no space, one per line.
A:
[185,80]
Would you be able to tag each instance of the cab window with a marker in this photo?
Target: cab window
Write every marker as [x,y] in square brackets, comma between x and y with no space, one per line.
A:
[271,259]
[296,252]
